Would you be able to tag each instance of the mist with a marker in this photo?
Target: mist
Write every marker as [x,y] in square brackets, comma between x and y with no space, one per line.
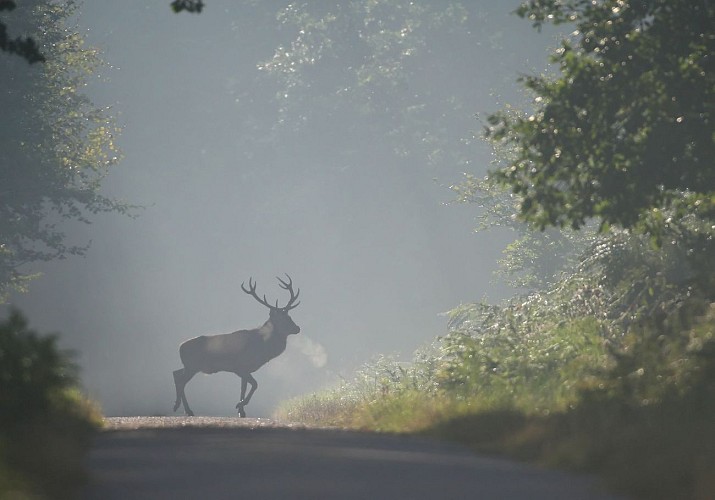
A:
[369,235]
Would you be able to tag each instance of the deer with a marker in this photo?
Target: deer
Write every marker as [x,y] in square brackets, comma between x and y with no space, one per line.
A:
[241,352]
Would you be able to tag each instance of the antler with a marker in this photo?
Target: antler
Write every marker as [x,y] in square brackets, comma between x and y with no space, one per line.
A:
[252,291]
[284,285]
[293,296]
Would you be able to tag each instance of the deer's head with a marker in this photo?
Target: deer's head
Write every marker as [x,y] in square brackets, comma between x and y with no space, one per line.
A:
[278,316]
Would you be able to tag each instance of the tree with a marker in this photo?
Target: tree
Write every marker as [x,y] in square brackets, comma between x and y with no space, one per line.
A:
[358,80]
[535,260]
[58,147]
[195,6]
[24,47]
[625,133]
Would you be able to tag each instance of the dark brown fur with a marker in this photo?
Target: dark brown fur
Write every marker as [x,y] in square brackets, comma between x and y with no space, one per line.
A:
[242,352]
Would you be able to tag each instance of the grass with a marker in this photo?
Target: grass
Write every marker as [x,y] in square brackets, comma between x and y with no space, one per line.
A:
[662,452]
[644,420]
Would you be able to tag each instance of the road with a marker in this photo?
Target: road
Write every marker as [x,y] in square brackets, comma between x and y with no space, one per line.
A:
[217,458]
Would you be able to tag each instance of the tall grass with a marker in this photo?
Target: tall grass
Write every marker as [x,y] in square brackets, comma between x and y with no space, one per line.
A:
[518,356]
[616,381]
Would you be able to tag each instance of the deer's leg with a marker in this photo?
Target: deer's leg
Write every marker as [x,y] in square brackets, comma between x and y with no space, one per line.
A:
[245,380]
[181,378]
[178,377]
[188,375]
[239,406]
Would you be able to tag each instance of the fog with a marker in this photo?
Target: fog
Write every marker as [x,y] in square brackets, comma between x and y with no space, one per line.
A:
[368,235]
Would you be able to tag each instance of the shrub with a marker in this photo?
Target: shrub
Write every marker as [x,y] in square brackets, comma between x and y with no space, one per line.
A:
[45,421]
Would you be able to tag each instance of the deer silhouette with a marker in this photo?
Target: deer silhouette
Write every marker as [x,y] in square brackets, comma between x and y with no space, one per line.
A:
[242,352]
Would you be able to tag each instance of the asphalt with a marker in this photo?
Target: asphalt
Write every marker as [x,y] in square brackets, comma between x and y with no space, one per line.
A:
[216,458]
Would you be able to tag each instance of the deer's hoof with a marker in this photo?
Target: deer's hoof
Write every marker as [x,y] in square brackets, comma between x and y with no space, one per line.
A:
[176,406]
[189,413]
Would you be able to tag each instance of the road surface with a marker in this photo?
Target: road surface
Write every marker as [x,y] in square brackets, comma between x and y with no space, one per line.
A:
[216,458]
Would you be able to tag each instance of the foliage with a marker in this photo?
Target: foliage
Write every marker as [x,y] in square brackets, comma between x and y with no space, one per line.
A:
[24,47]
[610,366]
[358,78]
[195,6]
[557,341]
[568,378]
[607,364]
[499,355]
[32,372]
[533,354]
[45,422]
[354,402]
[534,260]
[540,352]
[626,131]
[662,448]
[647,425]
[58,149]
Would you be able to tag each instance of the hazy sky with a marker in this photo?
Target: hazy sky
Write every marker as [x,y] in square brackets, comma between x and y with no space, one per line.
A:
[377,253]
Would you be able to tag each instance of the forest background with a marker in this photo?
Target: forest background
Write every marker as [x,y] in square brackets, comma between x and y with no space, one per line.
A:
[344,124]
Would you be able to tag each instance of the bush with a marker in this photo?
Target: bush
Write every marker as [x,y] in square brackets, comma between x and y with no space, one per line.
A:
[45,421]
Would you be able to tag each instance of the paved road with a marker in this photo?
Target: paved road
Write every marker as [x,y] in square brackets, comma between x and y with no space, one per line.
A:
[217,458]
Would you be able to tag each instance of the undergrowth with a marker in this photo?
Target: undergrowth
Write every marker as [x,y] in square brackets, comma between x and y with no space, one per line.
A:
[45,420]
[610,370]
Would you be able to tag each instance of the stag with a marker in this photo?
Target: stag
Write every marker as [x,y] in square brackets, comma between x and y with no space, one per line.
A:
[242,352]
